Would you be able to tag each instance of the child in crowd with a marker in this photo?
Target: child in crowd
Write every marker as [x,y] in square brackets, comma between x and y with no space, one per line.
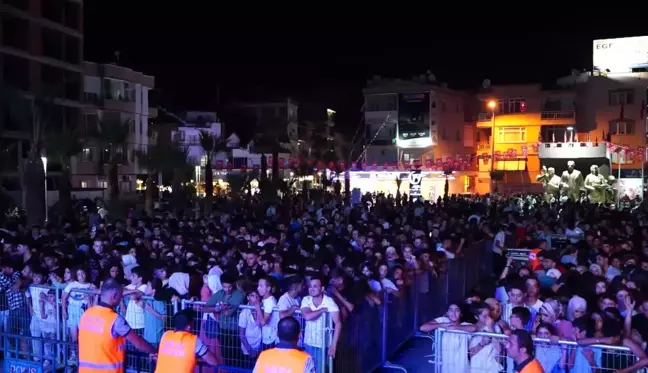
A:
[249,330]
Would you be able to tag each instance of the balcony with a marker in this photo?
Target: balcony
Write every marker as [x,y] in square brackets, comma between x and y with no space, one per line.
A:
[557,115]
[572,150]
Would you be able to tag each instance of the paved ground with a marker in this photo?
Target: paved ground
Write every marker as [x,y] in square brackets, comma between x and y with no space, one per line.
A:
[414,357]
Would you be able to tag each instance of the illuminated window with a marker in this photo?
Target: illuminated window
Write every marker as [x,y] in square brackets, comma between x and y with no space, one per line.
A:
[511,134]
[84,184]
[621,127]
[102,184]
[86,155]
[508,106]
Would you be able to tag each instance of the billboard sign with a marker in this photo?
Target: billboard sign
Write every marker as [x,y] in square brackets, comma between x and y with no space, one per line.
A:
[414,120]
[621,55]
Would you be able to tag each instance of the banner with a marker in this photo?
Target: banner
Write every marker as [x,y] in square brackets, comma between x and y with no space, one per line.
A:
[414,120]
[415,179]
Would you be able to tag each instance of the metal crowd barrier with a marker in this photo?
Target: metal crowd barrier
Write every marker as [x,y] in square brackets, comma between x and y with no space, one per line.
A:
[481,352]
[371,334]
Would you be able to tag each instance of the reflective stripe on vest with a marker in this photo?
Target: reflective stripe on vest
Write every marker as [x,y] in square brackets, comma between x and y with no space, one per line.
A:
[281,360]
[99,350]
[87,364]
[177,353]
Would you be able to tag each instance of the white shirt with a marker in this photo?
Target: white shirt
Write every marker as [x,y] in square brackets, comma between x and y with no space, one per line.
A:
[314,332]
[34,293]
[286,302]
[135,309]
[388,284]
[252,330]
[269,330]
[499,237]
[77,298]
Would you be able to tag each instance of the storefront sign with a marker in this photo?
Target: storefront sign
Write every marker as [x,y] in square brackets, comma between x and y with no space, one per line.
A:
[621,55]
[415,179]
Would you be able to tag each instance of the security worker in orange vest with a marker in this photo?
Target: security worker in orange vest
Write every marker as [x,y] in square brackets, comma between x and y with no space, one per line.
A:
[179,348]
[103,334]
[286,357]
[519,347]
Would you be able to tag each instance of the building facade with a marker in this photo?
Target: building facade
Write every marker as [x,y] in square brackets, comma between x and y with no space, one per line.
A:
[41,51]
[419,121]
[512,121]
[113,94]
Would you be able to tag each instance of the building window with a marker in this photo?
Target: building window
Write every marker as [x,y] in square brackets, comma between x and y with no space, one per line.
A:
[621,127]
[511,134]
[102,184]
[15,32]
[380,102]
[433,104]
[443,106]
[86,155]
[621,97]
[84,184]
[554,133]
[511,106]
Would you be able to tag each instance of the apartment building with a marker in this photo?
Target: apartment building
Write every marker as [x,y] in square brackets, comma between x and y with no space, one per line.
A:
[512,120]
[113,94]
[419,120]
[41,48]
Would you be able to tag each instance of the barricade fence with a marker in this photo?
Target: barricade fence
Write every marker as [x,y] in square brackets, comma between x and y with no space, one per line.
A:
[376,328]
[482,352]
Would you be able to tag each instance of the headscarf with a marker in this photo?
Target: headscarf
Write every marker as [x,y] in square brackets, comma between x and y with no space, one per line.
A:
[575,303]
[551,307]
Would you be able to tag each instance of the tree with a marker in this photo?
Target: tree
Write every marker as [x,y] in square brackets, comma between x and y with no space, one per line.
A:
[176,161]
[153,160]
[60,148]
[32,114]
[112,138]
[211,145]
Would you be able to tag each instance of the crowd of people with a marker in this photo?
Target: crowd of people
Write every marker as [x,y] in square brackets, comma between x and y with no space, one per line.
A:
[242,267]
[585,280]
[249,264]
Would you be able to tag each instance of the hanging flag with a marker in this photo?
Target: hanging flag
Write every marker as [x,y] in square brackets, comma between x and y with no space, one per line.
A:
[553,137]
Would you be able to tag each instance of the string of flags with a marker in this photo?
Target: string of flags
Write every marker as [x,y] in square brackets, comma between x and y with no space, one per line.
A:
[628,152]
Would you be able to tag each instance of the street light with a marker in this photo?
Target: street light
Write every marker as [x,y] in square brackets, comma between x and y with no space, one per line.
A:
[571,133]
[44,159]
[492,104]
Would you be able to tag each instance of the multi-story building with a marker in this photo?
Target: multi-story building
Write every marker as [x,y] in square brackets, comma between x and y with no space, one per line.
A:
[574,119]
[41,50]
[419,120]
[257,115]
[513,119]
[114,94]
[188,133]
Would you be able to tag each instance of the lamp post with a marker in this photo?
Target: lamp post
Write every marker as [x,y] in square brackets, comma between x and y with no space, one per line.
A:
[492,105]
[44,159]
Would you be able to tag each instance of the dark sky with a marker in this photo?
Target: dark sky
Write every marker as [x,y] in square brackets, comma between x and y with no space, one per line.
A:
[326,60]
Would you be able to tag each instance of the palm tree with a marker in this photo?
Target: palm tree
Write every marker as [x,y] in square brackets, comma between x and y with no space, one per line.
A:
[153,160]
[112,137]
[32,114]
[211,145]
[60,148]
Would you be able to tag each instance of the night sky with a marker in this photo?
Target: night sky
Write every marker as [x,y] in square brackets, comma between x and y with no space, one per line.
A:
[196,52]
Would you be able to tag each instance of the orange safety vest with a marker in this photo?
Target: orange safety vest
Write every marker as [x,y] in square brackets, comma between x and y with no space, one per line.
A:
[99,351]
[533,367]
[281,360]
[177,353]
